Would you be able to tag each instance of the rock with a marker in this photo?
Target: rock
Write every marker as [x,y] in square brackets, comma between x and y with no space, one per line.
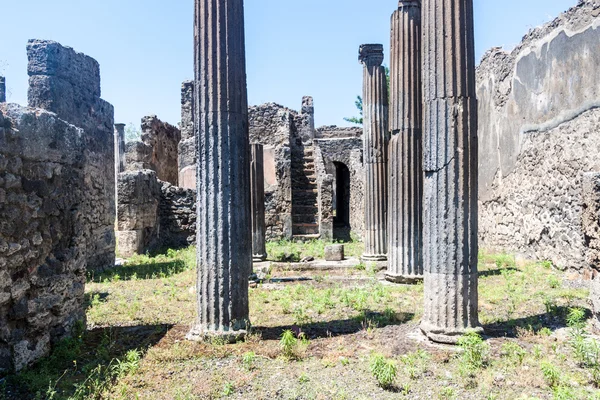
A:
[334,252]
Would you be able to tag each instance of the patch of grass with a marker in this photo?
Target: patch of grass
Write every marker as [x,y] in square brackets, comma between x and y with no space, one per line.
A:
[474,352]
[384,370]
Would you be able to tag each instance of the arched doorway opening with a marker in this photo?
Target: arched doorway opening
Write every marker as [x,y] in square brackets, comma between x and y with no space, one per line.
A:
[341,202]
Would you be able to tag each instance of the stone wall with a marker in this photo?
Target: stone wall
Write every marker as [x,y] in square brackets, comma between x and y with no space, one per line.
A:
[335,132]
[157,150]
[187,145]
[272,126]
[68,83]
[539,132]
[153,215]
[43,232]
[347,151]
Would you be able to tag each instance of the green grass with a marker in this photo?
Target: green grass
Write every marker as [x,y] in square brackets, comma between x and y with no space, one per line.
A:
[138,316]
[294,251]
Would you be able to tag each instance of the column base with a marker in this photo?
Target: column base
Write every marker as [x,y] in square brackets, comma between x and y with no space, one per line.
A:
[259,257]
[404,279]
[446,335]
[199,333]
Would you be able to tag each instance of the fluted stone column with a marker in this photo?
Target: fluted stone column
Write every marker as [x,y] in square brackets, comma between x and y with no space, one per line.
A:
[224,230]
[2,89]
[375,140]
[257,183]
[450,164]
[405,226]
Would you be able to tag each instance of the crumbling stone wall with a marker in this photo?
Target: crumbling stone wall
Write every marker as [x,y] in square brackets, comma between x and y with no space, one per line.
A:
[153,215]
[67,83]
[43,232]
[347,151]
[337,132]
[272,126]
[591,235]
[187,145]
[539,130]
[157,150]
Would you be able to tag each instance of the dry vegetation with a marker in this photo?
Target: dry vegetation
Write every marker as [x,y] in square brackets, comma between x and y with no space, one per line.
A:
[345,335]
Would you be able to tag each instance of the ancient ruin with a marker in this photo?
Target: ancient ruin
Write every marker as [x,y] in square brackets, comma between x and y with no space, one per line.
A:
[257,185]
[450,166]
[57,201]
[503,155]
[405,207]
[375,141]
[224,230]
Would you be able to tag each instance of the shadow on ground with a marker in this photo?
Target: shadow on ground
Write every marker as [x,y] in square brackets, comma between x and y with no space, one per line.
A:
[140,271]
[554,319]
[80,361]
[319,330]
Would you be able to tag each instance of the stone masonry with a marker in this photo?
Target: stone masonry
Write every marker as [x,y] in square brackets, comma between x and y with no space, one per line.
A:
[450,165]
[539,132]
[405,252]
[224,244]
[68,83]
[375,141]
[591,234]
[187,145]
[157,150]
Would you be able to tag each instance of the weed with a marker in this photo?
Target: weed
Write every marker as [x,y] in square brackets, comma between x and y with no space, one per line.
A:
[554,282]
[228,389]
[248,360]
[303,378]
[415,364]
[514,352]
[551,374]
[288,345]
[474,352]
[383,370]
[447,393]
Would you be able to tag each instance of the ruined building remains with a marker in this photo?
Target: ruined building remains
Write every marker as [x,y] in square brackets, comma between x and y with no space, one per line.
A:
[56,201]
[375,142]
[539,132]
[157,150]
[224,227]
[187,145]
[405,207]
[450,163]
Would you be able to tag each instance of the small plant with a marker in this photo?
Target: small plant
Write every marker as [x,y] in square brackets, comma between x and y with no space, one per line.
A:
[228,389]
[474,354]
[554,282]
[447,393]
[551,374]
[291,346]
[248,360]
[383,370]
[514,352]
[303,378]
[415,364]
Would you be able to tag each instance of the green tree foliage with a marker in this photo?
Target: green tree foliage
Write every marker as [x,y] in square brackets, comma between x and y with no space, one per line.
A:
[359,102]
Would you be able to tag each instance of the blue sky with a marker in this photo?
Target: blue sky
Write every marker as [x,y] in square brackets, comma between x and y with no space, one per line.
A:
[145,47]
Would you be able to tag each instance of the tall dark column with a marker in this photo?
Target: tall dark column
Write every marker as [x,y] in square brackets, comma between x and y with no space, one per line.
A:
[375,140]
[450,164]
[405,226]
[257,183]
[223,177]
[2,89]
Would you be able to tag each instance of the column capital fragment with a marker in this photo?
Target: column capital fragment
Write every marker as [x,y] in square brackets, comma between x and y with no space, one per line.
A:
[370,55]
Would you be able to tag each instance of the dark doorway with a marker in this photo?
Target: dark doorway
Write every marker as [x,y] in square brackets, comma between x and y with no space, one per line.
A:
[341,202]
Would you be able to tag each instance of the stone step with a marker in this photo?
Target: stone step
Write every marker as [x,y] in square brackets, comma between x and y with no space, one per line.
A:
[310,210]
[305,238]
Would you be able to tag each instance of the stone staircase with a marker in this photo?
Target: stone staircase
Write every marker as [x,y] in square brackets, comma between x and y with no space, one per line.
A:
[305,207]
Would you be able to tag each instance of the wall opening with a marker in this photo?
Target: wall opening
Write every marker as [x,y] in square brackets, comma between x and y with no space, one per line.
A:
[341,202]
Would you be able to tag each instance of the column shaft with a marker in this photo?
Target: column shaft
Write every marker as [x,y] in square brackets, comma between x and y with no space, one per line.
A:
[223,178]
[450,164]
[2,90]
[257,182]
[375,140]
[405,226]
